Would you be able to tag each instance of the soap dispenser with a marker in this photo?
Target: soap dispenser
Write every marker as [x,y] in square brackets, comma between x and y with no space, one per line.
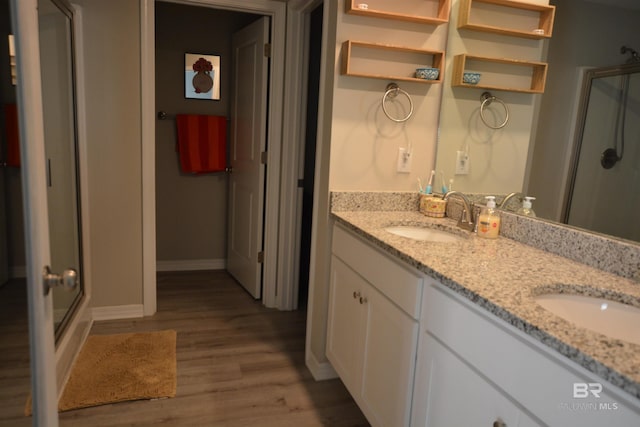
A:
[489,220]
[526,207]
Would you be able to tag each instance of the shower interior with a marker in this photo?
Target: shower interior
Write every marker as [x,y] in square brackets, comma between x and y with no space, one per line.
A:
[604,178]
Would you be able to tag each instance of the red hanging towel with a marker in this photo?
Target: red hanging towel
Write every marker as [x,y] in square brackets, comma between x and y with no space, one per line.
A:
[13,135]
[202,143]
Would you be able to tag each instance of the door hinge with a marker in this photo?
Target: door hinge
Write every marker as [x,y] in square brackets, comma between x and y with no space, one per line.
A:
[267,50]
[260,257]
[263,157]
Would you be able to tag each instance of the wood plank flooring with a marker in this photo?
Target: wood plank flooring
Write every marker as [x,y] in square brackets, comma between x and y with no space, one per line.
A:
[239,364]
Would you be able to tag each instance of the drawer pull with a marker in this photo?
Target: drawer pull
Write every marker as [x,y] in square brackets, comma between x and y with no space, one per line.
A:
[363,300]
[356,294]
[499,423]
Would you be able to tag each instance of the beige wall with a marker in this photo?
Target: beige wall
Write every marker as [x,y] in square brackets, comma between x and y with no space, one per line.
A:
[191,210]
[364,142]
[498,158]
[112,75]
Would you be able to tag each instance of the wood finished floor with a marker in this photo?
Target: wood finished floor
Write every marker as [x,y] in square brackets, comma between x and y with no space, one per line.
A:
[239,364]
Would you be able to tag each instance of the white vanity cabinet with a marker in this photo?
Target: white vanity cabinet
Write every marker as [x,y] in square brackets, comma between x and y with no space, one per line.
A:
[462,396]
[372,337]
[475,369]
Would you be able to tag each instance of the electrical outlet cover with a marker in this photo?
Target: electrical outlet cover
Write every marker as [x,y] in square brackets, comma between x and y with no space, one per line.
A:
[404,160]
[462,163]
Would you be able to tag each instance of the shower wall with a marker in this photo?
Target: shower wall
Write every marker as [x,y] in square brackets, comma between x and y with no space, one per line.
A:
[608,200]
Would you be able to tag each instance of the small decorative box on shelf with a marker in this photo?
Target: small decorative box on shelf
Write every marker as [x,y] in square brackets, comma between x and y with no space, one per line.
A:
[500,73]
[434,12]
[387,62]
[527,20]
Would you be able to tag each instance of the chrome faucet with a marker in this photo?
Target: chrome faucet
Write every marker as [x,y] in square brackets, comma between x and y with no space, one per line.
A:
[509,197]
[466,220]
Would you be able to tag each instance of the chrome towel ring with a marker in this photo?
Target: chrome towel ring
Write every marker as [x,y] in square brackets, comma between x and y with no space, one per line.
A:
[392,91]
[486,98]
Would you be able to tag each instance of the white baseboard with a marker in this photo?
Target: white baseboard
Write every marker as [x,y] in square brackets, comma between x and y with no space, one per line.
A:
[117,312]
[191,265]
[319,370]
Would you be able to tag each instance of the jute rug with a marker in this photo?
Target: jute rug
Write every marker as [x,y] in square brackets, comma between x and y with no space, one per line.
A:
[116,368]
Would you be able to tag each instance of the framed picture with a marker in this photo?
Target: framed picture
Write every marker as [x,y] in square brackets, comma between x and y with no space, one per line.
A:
[201,76]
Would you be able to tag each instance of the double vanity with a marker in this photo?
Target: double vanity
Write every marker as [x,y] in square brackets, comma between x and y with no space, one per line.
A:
[430,325]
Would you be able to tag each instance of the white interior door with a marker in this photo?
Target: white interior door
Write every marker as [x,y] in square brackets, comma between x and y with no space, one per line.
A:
[24,15]
[248,141]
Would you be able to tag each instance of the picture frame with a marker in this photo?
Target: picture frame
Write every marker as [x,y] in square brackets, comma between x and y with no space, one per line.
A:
[202,76]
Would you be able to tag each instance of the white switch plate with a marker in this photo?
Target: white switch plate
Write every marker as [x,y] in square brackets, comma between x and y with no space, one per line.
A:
[462,163]
[404,160]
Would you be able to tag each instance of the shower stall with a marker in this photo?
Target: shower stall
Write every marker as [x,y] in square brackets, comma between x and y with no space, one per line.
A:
[55,19]
[604,180]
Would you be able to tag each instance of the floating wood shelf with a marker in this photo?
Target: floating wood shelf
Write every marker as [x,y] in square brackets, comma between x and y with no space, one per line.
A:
[381,61]
[501,74]
[476,15]
[403,10]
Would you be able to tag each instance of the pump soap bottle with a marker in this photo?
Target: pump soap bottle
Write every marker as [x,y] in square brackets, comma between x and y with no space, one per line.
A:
[489,220]
[526,207]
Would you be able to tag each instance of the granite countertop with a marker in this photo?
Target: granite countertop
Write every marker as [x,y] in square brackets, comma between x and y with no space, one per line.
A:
[503,276]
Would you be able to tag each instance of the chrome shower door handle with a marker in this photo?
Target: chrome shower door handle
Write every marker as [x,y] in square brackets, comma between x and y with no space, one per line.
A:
[68,280]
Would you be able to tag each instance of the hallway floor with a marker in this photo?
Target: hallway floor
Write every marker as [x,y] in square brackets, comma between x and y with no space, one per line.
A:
[239,364]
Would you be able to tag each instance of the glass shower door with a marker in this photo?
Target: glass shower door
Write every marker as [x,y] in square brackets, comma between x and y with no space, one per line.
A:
[56,59]
[605,196]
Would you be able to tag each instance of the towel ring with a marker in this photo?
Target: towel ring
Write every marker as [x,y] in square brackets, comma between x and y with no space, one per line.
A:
[487,99]
[392,92]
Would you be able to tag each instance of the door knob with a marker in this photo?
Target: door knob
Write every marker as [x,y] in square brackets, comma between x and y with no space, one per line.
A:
[68,280]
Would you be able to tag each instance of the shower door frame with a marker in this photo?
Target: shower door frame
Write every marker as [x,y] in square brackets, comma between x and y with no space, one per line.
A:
[581,121]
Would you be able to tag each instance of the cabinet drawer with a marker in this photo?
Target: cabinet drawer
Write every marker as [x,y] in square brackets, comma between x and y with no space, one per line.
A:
[395,281]
[541,380]
[461,396]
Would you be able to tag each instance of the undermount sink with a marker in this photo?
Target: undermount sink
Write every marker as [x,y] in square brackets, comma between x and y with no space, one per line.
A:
[610,318]
[426,234]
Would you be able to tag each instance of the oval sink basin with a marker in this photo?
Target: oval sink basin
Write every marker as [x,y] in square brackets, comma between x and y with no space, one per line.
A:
[610,318]
[424,233]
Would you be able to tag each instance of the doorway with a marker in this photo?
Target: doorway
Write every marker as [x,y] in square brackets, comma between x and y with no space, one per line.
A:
[191,209]
[281,218]
[311,129]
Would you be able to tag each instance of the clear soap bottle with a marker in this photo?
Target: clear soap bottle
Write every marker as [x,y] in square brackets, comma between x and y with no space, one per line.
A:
[526,207]
[489,220]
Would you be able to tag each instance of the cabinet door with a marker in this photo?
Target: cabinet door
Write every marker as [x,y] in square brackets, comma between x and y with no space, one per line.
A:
[344,339]
[460,396]
[390,344]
